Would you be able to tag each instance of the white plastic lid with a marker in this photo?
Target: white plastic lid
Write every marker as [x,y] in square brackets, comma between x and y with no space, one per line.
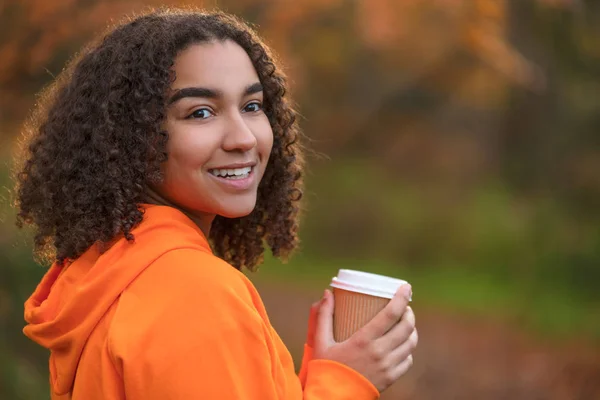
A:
[366,283]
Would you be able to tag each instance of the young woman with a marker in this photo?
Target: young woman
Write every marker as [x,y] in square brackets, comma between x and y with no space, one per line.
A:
[159,162]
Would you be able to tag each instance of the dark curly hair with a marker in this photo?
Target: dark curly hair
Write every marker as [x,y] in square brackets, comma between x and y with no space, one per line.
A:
[94,142]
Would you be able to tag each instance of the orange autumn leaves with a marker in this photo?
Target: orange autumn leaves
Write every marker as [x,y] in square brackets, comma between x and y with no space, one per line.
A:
[39,36]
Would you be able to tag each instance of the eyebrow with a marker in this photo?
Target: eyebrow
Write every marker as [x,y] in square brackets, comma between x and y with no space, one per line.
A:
[210,93]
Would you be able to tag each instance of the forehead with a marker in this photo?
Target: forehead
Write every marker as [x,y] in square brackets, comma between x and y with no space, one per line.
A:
[219,64]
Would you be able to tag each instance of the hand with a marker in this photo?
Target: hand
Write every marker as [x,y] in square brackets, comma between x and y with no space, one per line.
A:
[381,350]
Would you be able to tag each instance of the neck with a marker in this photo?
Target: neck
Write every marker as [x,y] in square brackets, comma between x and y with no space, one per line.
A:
[202,220]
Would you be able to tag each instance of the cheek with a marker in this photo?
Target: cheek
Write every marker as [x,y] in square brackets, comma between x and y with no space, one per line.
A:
[265,139]
[189,150]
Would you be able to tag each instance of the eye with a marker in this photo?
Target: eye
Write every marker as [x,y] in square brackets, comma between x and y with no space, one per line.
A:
[201,113]
[253,107]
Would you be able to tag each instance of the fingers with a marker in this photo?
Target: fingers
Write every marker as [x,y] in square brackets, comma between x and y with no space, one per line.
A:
[405,350]
[324,329]
[389,316]
[400,332]
[400,369]
[314,310]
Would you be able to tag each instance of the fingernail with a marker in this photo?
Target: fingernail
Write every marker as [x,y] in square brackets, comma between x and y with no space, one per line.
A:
[407,291]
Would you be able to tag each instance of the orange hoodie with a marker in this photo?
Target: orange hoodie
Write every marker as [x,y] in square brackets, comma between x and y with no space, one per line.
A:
[163,318]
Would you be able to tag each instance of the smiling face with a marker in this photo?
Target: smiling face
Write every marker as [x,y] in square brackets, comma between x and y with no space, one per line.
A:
[219,137]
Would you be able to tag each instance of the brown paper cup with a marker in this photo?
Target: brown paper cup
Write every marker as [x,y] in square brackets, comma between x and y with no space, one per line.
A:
[352,311]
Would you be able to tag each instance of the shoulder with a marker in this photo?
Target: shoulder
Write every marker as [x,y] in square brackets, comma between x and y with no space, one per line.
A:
[188,306]
[189,277]
[188,266]
[186,294]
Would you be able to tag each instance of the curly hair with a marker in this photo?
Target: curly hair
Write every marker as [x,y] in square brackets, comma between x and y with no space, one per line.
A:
[94,142]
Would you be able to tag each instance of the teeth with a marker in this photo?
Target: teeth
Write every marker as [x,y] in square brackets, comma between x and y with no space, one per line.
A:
[235,173]
[242,171]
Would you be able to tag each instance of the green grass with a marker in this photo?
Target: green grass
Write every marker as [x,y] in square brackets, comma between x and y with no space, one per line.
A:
[484,250]
[552,311]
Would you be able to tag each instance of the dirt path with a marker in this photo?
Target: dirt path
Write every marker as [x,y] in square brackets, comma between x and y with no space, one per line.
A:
[463,358]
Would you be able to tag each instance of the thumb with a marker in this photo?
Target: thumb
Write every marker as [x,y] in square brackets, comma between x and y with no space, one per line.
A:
[324,331]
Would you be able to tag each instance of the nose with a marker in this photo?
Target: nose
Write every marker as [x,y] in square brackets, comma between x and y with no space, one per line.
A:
[238,135]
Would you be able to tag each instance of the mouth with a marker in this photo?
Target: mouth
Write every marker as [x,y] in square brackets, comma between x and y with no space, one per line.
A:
[232,173]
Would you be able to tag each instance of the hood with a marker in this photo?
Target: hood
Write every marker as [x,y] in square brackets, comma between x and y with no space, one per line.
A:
[70,301]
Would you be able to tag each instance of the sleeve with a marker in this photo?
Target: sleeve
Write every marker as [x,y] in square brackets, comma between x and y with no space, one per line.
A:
[190,331]
[332,380]
[326,379]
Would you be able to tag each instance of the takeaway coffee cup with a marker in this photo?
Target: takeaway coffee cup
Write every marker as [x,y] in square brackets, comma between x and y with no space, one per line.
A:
[359,296]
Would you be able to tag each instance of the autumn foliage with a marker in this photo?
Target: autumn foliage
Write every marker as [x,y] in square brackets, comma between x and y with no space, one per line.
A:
[448,135]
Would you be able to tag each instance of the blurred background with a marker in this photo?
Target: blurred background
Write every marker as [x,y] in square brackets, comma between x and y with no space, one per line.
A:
[456,144]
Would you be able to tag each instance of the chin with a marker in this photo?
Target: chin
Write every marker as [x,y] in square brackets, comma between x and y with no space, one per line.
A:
[237,211]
